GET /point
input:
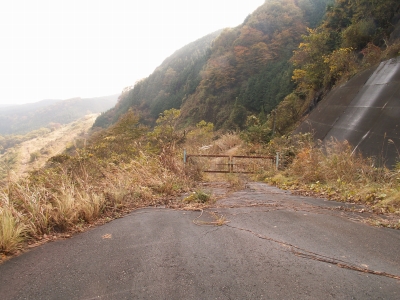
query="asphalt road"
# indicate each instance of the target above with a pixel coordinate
(273, 246)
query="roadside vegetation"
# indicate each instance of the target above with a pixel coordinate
(335, 172)
(254, 82)
(124, 167)
(129, 166)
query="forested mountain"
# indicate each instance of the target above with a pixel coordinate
(205, 78)
(275, 66)
(20, 119)
(354, 35)
(176, 78)
(249, 70)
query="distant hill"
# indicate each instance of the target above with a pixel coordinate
(36, 148)
(27, 107)
(20, 119)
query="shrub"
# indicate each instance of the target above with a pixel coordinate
(34, 156)
(198, 197)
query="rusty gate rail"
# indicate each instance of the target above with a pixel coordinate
(231, 163)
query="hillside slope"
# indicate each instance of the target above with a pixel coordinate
(177, 77)
(223, 76)
(276, 66)
(20, 119)
(34, 153)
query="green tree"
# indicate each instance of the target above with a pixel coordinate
(357, 35)
(165, 133)
(256, 132)
(237, 118)
(309, 60)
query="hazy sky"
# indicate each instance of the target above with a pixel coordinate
(59, 49)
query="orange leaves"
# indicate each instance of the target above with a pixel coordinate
(220, 71)
(249, 36)
(241, 54)
(372, 54)
(252, 58)
(261, 53)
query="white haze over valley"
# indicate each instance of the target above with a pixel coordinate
(54, 49)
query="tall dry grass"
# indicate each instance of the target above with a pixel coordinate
(335, 172)
(50, 202)
(119, 170)
(336, 162)
(11, 229)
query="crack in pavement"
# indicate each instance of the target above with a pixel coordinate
(303, 207)
(316, 256)
(271, 199)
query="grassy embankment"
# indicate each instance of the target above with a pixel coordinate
(334, 172)
(114, 171)
(129, 166)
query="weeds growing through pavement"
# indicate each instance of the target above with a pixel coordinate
(198, 196)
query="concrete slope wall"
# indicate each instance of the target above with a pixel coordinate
(365, 111)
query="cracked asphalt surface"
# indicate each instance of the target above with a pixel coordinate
(274, 245)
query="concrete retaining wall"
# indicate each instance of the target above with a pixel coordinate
(364, 111)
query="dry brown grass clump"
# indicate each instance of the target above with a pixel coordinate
(123, 168)
(335, 162)
(336, 172)
(11, 229)
(55, 201)
(228, 141)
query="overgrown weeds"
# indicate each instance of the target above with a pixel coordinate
(198, 196)
(120, 169)
(334, 171)
(11, 230)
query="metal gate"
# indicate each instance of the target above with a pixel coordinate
(215, 163)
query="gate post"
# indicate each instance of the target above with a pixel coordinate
(184, 156)
(277, 160)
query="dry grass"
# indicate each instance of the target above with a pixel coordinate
(115, 173)
(228, 141)
(199, 141)
(117, 170)
(336, 173)
(11, 230)
(49, 202)
(226, 144)
(34, 153)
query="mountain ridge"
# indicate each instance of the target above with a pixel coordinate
(20, 119)
(282, 60)
(213, 83)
